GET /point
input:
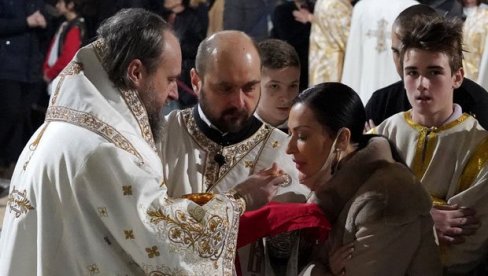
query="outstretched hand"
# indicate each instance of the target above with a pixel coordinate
(452, 223)
(258, 189)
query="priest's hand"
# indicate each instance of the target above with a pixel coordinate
(258, 189)
(452, 223)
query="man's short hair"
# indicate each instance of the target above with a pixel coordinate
(438, 35)
(131, 34)
(277, 54)
(412, 17)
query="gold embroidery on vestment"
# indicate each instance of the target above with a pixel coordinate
(93, 269)
(275, 144)
(207, 239)
(129, 234)
(92, 123)
(152, 252)
(102, 211)
(18, 203)
(233, 154)
(127, 190)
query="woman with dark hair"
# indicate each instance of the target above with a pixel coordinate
(379, 211)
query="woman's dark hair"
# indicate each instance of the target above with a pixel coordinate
(335, 106)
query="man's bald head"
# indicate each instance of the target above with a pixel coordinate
(412, 17)
(224, 44)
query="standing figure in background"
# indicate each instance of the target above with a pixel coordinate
(191, 28)
(446, 8)
(368, 63)
(331, 21)
(67, 40)
(252, 17)
(294, 31)
(21, 56)
(475, 32)
(483, 73)
(280, 76)
(215, 16)
(445, 148)
(393, 98)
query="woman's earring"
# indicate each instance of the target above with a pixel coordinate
(335, 163)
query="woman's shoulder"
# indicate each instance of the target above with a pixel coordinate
(391, 194)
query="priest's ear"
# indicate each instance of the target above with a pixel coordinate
(136, 74)
(196, 81)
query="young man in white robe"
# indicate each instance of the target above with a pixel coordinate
(219, 142)
(87, 195)
(446, 148)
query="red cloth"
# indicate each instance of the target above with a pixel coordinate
(275, 218)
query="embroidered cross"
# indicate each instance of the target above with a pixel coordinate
(129, 234)
(152, 252)
(102, 211)
(127, 190)
(18, 202)
(381, 35)
(93, 269)
(248, 164)
(275, 144)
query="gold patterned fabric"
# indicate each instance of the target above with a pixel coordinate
(88, 196)
(189, 166)
(328, 38)
(451, 162)
(475, 32)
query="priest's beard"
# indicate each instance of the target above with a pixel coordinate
(154, 113)
(230, 120)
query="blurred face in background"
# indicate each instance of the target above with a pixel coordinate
(279, 87)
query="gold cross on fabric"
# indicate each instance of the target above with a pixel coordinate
(275, 144)
(127, 190)
(381, 34)
(152, 252)
(129, 234)
(102, 211)
(93, 269)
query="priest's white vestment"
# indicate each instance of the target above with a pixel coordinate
(87, 196)
(189, 166)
